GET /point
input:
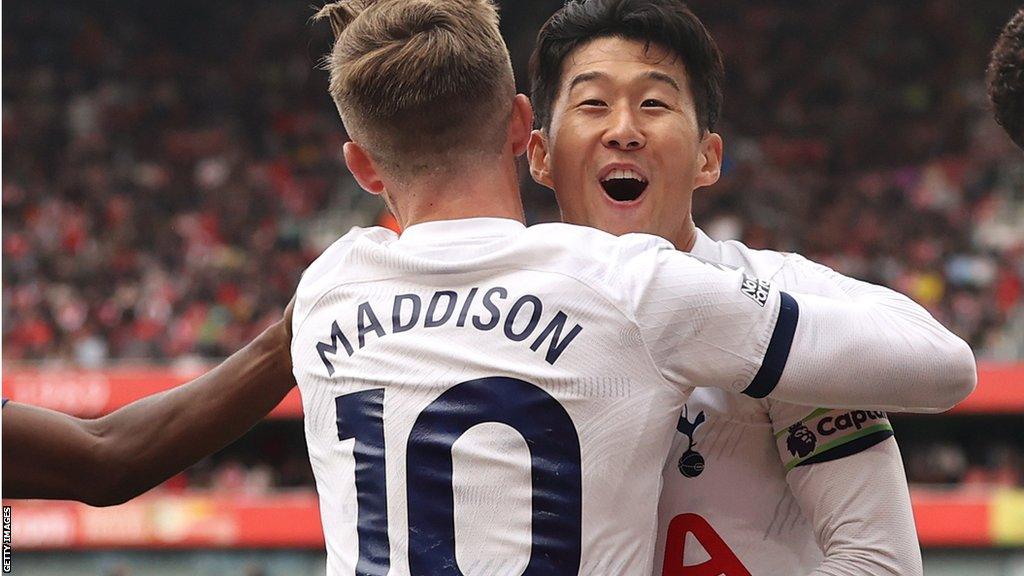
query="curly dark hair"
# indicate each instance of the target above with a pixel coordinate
(666, 23)
(1006, 78)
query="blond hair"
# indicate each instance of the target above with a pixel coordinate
(420, 83)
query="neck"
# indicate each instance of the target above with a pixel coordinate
(477, 192)
(687, 236)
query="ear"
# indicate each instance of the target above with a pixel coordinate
(521, 124)
(362, 167)
(538, 156)
(709, 167)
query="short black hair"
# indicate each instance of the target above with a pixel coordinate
(1006, 79)
(669, 24)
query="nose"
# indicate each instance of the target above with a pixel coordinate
(624, 133)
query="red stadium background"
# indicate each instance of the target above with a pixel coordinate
(169, 168)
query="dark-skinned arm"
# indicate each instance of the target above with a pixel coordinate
(109, 460)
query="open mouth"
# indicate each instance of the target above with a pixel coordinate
(624, 185)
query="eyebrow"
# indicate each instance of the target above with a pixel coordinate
(662, 77)
(585, 77)
(651, 75)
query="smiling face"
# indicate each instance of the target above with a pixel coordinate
(624, 151)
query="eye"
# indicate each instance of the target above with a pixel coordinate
(592, 102)
(653, 102)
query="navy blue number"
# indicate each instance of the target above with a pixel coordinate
(557, 516)
(555, 469)
(361, 416)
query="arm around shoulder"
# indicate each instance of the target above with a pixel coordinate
(914, 363)
(156, 437)
(112, 459)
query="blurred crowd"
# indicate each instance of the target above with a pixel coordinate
(270, 458)
(965, 451)
(169, 169)
(949, 464)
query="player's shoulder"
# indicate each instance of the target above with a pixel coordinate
(340, 261)
(341, 252)
(764, 264)
(620, 268)
(788, 270)
(593, 243)
(595, 255)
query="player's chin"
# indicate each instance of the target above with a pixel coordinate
(619, 220)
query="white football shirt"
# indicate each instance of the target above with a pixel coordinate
(726, 507)
(486, 398)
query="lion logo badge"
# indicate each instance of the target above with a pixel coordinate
(801, 440)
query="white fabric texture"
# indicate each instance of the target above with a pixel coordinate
(861, 513)
(887, 351)
(851, 515)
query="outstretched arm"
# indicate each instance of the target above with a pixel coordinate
(876, 347)
(109, 460)
(706, 325)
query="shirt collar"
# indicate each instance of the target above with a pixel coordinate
(441, 230)
(704, 246)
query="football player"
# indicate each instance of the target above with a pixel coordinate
(627, 95)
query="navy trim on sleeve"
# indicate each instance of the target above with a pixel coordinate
(778, 349)
(849, 449)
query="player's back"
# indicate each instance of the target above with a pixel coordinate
(478, 400)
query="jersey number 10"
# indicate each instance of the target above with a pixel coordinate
(555, 470)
